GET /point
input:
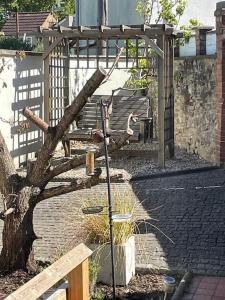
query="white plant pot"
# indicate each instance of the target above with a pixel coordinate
(124, 256)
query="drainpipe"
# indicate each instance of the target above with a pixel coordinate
(77, 7)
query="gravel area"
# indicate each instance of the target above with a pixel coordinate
(143, 166)
(131, 166)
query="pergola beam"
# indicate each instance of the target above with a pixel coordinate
(104, 33)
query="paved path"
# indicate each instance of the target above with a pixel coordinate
(192, 215)
(205, 288)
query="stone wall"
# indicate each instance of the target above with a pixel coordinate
(195, 109)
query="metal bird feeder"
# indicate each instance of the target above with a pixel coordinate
(118, 218)
(168, 285)
(92, 210)
(90, 161)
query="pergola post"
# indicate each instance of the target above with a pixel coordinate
(161, 104)
(171, 94)
(46, 81)
(66, 73)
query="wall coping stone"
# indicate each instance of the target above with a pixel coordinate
(210, 56)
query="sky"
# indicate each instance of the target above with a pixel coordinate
(203, 10)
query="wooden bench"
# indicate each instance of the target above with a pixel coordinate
(122, 106)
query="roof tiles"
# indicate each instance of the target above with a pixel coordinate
(28, 22)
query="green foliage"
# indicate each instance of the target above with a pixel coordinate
(39, 46)
(94, 269)
(193, 23)
(12, 43)
(67, 9)
(28, 5)
(139, 77)
(98, 295)
(169, 11)
(60, 8)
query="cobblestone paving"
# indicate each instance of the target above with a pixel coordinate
(192, 214)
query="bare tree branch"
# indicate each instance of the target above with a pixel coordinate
(78, 160)
(30, 115)
(78, 184)
(57, 133)
(114, 64)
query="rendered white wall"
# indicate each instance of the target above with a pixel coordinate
(24, 87)
(188, 49)
(78, 77)
(211, 43)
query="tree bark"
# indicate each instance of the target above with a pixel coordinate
(18, 235)
(8, 174)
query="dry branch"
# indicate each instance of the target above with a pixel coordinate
(114, 64)
(78, 184)
(46, 151)
(30, 115)
(79, 160)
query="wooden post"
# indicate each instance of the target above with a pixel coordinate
(171, 94)
(66, 65)
(161, 104)
(103, 20)
(74, 263)
(78, 281)
(46, 81)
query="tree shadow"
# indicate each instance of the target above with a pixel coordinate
(28, 84)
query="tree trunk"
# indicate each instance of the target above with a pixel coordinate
(18, 235)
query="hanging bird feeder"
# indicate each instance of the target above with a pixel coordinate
(90, 161)
(121, 218)
(91, 210)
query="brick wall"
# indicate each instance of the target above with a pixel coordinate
(220, 79)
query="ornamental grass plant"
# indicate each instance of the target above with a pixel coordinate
(97, 225)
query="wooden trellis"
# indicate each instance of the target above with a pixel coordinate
(101, 44)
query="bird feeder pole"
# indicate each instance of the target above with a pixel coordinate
(109, 198)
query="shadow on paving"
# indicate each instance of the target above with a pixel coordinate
(192, 213)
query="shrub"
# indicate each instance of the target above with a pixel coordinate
(12, 43)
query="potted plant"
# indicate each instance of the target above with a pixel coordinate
(98, 237)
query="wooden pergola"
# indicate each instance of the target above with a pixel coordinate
(58, 43)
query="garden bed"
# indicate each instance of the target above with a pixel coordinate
(143, 287)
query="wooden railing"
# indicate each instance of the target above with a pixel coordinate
(74, 265)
